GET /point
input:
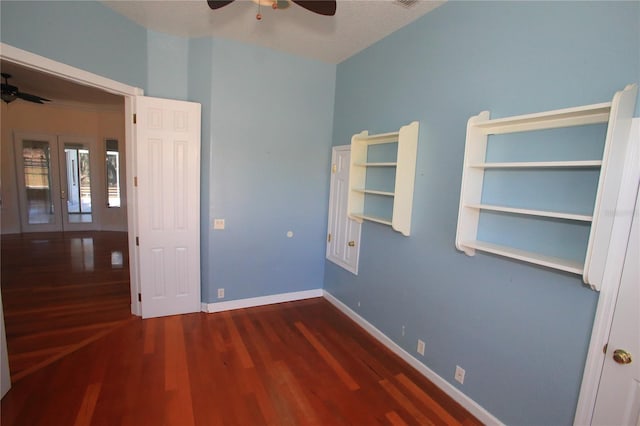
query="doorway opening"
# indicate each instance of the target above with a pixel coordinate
(70, 213)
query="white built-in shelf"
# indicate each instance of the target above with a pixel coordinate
(527, 256)
(589, 114)
(379, 138)
(374, 192)
(616, 114)
(370, 218)
(388, 164)
(530, 212)
(584, 164)
(406, 140)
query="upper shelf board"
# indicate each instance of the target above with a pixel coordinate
(587, 164)
(577, 116)
(379, 138)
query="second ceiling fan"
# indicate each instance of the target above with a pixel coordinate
(321, 7)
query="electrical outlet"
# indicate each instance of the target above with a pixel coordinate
(221, 293)
(218, 224)
(420, 347)
(403, 330)
(459, 376)
(358, 303)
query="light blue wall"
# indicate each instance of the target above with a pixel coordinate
(271, 121)
(520, 331)
(86, 35)
(167, 66)
(199, 90)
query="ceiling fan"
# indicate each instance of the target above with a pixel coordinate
(11, 93)
(321, 7)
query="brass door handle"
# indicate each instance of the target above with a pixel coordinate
(621, 356)
(351, 243)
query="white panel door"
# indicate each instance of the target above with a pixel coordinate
(618, 399)
(168, 215)
(343, 240)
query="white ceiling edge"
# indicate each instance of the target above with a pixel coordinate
(357, 24)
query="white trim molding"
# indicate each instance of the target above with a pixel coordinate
(469, 404)
(261, 301)
(65, 72)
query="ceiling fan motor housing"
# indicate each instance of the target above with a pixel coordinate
(11, 93)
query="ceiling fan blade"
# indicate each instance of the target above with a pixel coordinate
(322, 7)
(217, 4)
(31, 98)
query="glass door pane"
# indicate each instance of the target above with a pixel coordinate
(113, 173)
(78, 176)
(36, 160)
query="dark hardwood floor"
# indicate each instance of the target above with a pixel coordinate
(298, 363)
(61, 291)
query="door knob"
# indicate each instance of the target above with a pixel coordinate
(621, 356)
(351, 243)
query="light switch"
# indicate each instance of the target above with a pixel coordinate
(218, 223)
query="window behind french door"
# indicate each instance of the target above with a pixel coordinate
(55, 184)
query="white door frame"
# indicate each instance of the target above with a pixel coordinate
(76, 75)
(603, 320)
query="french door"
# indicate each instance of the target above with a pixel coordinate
(55, 185)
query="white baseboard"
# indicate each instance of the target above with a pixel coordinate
(473, 407)
(260, 301)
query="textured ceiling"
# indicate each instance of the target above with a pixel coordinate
(356, 25)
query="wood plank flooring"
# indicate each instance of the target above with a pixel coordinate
(61, 291)
(81, 359)
(297, 363)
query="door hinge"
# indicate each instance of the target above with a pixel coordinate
(334, 168)
(135, 118)
(135, 181)
(329, 238)
(604, 348)
(139, 297)
(137, 241)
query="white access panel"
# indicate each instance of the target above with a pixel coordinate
(343, 238)
(168, 194)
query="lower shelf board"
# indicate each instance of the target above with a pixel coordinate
(526, 256)
(361, 217)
